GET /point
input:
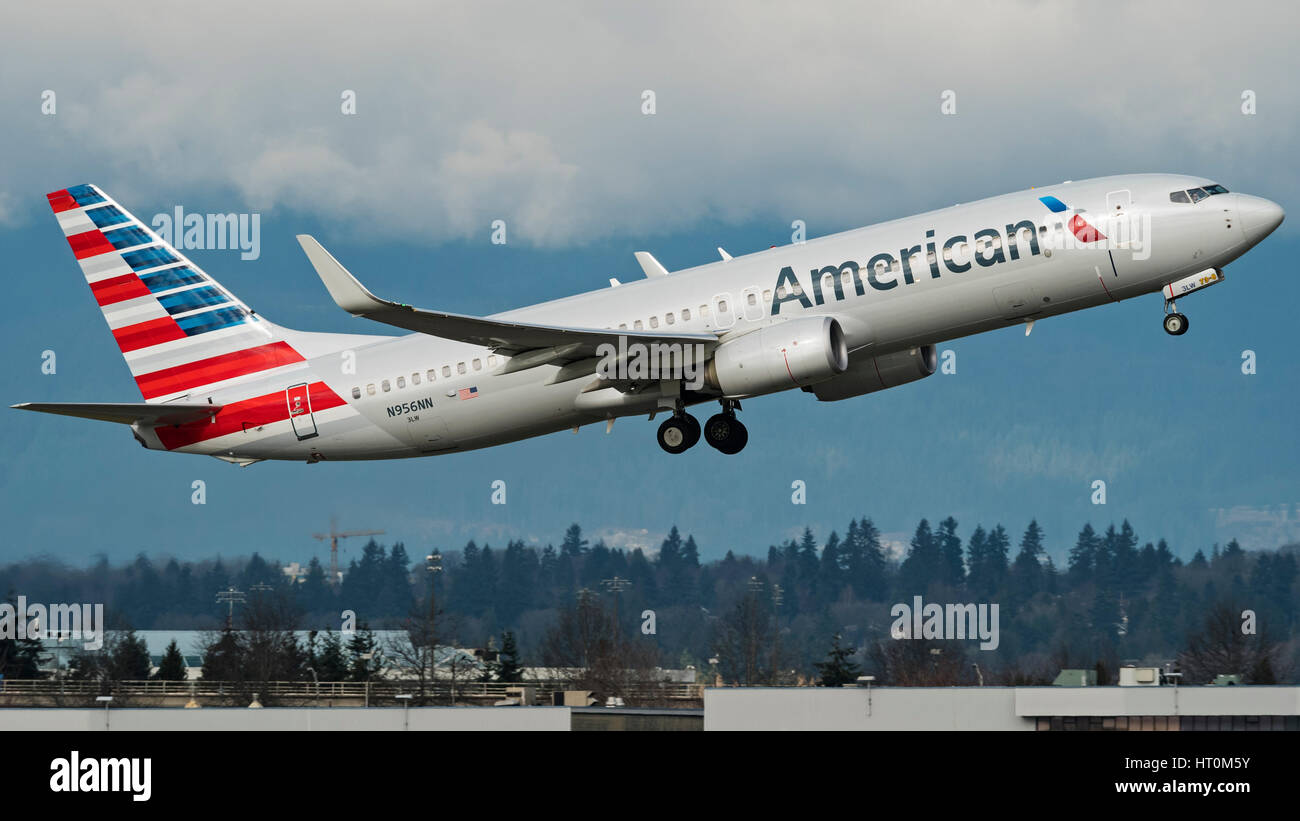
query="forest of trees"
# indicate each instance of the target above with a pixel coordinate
(805, 611)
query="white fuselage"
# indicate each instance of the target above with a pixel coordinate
(969, 289)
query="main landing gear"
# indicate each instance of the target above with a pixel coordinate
(1175, 323)
(679, 432)
(724, 432)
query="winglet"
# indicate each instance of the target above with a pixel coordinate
(725, 255)
(650, 265)
(349, 294)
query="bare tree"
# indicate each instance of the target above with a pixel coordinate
(1224, 648)
(587, 642)
(921, 663)
(745, 642)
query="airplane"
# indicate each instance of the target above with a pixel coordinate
(839, 316)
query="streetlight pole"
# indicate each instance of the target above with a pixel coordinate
(433, 564)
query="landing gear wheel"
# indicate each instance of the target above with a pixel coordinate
(725, 433)
(677, 434)
(694, 429)
(1176, 324)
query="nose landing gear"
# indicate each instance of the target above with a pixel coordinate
(1175, 323)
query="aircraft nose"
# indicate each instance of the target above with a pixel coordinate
(1259, 217)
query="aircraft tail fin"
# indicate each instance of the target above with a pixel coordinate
(179, 330)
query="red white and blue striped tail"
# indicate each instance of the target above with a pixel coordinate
(179, 330)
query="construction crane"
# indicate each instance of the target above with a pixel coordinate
(334, 535)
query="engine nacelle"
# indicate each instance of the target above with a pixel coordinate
(790, 354)
(867, 374)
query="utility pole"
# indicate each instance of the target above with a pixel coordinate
(616, 586)
(778, 599)
(230, 597)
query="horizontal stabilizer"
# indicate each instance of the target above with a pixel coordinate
(503, 336)
(127, 413)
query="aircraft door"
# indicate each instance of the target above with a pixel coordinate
(723, 316)
(298, 398)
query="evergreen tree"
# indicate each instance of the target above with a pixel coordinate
(330, 663)
(809, 559)
(691, 553)
(923, 564)
(998, 552)
(865, 560)
(979, 574)
(670, 551)
(839, 668)
(1083, 556)
(172, 666)
(574, 545)
(223, 659)
(130, 658)
(363, 659)
(509, 667)
(952, 571)
(1028, 568)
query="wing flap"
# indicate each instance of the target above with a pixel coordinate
(127, 413)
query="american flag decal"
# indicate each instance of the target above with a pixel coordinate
(468, 393)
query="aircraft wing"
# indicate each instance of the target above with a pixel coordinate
(552, 343)
(127, 413)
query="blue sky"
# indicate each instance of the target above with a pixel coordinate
(448, 137)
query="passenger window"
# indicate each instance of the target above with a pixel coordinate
(668, 317)
(704, 311)
(1179, 196)
(415, 378)
(401, 382)
(446, 372)
(460, 367)
(780, 292)
(686, 314)
(722, 305)
(492, 361)
(386, 386)
(432, 374)
(654, 322)
(622, 326)
(752, 299)
(767, 295)
(1197, 194)
(370, 389)
(478, 364)
(356, 393)
(637, 326)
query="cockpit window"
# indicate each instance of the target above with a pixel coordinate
(1197, 194)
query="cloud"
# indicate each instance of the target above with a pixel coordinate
(533, 114)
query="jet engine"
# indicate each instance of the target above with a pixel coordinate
(796, 353)
(867, 374)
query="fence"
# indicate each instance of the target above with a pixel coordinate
(379, 691)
